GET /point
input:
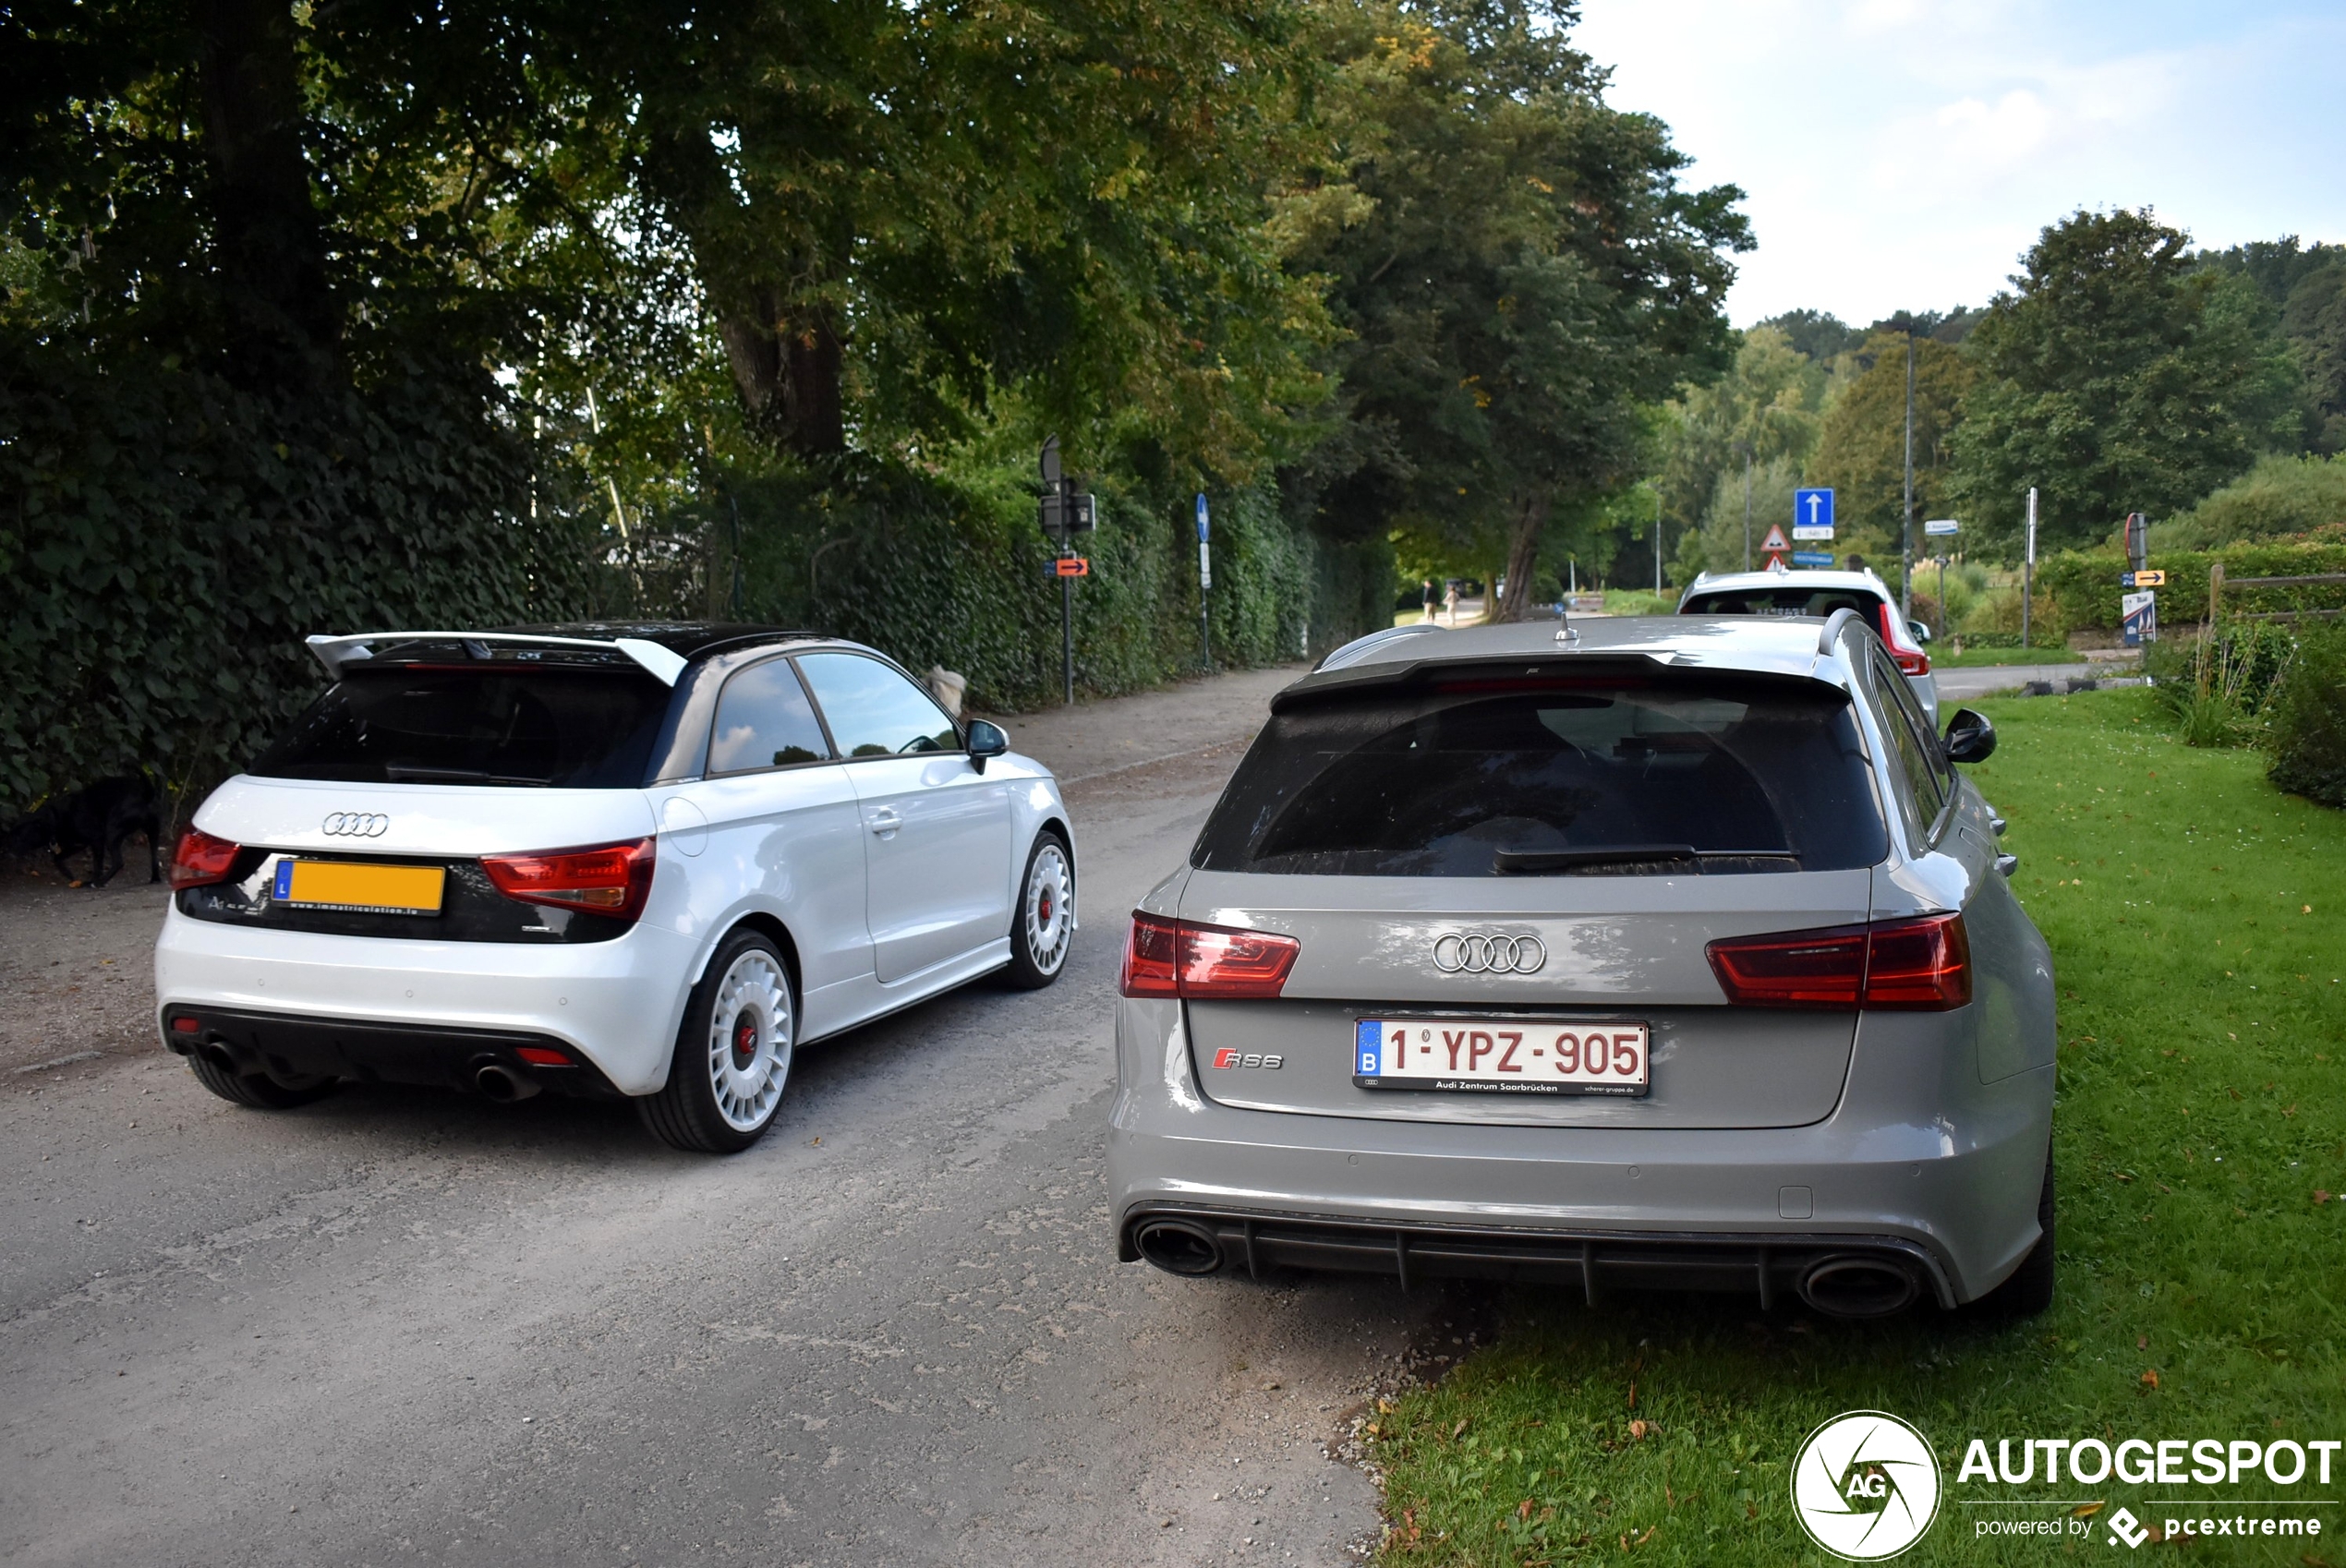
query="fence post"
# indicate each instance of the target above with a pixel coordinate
(2215, 592)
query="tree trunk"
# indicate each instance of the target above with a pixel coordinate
(788, 368)
(268, 247)
(1523, 558)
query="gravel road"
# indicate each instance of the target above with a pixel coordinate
(404, 1326)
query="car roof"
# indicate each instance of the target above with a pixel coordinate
(690, 639)
(1771, 644)
(1812, 577)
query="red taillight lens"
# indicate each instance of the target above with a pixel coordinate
(1919, 965)
(1901, 643)
(202, 860)
(1177, 957)
(612, 880)
(1899, 966)
(542, 1056)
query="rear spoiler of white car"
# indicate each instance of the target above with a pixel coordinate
(664, 663)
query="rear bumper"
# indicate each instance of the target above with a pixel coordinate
(1918, 1157)
(614, 1005)
(290, 1046)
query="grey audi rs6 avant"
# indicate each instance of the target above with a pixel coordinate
(1643, 953)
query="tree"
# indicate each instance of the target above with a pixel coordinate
(1521, 274)
(1818, 334)
(2118, 378)
(1766, 407)
(1861, 453)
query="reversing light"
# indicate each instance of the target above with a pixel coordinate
(202, 860)
(611, 879)
(1179, 957)
(1921, 965)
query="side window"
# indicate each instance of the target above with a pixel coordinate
(764, 720)
(874, 711)
(1911, 738)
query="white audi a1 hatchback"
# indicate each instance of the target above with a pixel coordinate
(647, 860)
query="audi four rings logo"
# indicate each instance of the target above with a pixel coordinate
(355, 824)
(1478, 953)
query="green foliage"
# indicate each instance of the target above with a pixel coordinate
(1719, 545)
(2279, 496)
(1767, 406)
(2215, 686)
(2305, 286)
(2307, 720)
(1817, 334)
(2201, 1044)
(1520, 272)
(2084, 584)
(2120, 377)
(169, 539)
(1861, 452)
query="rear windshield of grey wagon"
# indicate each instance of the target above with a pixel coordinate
(1609, 777)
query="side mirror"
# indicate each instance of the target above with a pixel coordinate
(1970, 738)
(984, 741)
(1922, 633)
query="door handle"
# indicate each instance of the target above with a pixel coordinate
(885, 821)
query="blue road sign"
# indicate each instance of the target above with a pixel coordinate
(1201, 517)
(1813, 509)
(1812, 558)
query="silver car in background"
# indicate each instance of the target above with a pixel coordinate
(1664, 952)
(1820, 593)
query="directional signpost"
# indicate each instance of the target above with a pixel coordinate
(1064, 513)
(1811, 557)
(1812, 514)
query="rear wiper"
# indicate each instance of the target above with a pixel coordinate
(402, 772)
(1536, 862)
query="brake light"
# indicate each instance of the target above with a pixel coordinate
(614, 879)
(1921, 965)
(202, 860)
(1179, 957)
(1901, 642)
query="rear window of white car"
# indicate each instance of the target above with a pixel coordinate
(1540, 778)
(1786, 601)
(547, 727)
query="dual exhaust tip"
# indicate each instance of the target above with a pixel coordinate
(1847, 1285)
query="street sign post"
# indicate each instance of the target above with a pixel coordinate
(1064, 513)
(1811, 557)
(1941, 527)
(1204, 583)
(2138, 618)
(2142, 579)
(1812, 514)
(1775, 545)
(2028, 568)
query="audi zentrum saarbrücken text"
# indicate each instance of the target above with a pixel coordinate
(1664, 952)
(649, 860)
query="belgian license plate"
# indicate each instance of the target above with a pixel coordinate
(359, 889)
(1502, 1055)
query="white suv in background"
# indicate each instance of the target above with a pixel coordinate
(646, 860)
(1819, 593)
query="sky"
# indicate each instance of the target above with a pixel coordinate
(1904, 153)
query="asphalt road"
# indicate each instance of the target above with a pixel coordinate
(405, 1326)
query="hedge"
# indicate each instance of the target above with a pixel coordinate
(2084, 584)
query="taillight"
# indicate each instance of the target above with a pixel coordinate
(1901, 643)
(612, 880)
(202, 860)
(1179, 957)
(1921, 965)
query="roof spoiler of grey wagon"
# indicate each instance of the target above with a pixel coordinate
(1834, 624)
(665, 664)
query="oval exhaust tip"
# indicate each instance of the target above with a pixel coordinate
(1178, 1247)
(1858, 1287)
(501, 1086)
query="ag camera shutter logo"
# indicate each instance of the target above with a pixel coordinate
(1865, 1486)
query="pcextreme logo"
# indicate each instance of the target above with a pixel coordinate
(1865, 1486)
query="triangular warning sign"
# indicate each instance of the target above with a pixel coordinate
(1775, 540)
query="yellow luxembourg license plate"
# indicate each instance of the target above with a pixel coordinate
(359, 889)
(1503, 1055)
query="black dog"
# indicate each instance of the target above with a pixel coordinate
(100, 819)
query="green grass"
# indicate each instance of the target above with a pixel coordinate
(2202, 1072)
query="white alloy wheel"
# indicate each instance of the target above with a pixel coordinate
(1046, 909)
(750, 1033)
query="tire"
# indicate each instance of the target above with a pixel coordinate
(1043, 921)
(734, 1052)
(2030, 1290)
(257, 1091)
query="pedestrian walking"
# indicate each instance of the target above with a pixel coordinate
(1432, 600)
(1450, 602)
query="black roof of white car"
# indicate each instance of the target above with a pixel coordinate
(688, 639)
